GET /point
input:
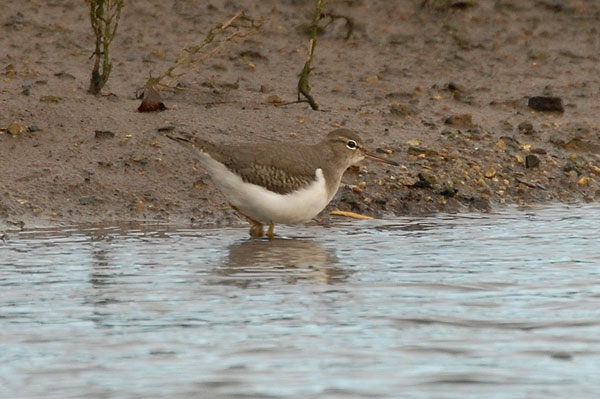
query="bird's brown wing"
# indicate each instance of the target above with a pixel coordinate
(263, 166)
(260, 164)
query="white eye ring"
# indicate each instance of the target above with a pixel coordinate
(351, 144)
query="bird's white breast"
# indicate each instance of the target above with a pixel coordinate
(266, 206)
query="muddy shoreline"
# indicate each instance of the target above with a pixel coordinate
(445, 90)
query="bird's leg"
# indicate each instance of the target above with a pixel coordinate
(270, 232)
(256, 228)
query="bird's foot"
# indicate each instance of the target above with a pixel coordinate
(271, 232)
(256, 229)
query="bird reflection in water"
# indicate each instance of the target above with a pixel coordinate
(282, 259)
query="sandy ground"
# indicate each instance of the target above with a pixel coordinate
(442, 85)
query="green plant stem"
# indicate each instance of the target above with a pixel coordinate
(303, 82)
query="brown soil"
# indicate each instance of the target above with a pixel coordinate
(441, 84)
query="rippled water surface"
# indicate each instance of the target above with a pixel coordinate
(503, 305)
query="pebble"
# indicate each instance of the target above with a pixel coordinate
(490, 172)
(531, 161)
(166, 128)
(34, 128)
(510, 142)
(15, 129)
(462, 120)
(426, 180)
(452, 86)
(546, 104)
(448, 190)
(403, 110)
(380, 150)
(526, 127)
(183, 84)
(274, 99)
(571, 166)
(64, 75)
(50, 99)
(595, 169)
(88, 200)
(412, 150)
(104, 134)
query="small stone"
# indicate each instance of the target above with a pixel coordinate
(10, 70)
(595, 169)
(140, 159)
(452, 86)
(50, 99)
(525, 127)
(138, 206)
(421, 151)
(546, 104)
(274, 99)
(448, 190)
(88, 200)
(510, 142)
(168, 128)
(584, 181)
(462, 120)
(387, 151)
(426, 180)
(403, 110)
(34, 128)
(104, 134)
(125, 139)
(490, 172)
(531, 161)
(16, 21)
(15, 129)
(357, 190)
(571, 166)
(198, 184)
(64, 75)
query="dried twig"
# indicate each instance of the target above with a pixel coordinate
(333, 17)
(192, 57)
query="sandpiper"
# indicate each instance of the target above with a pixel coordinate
(285, 182)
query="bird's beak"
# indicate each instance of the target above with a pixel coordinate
(377, 158)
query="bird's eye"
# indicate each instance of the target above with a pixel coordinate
(351, 144)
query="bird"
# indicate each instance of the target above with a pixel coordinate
(279, 182)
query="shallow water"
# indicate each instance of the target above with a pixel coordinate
(503, 305)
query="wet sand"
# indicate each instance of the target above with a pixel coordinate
(443, 87)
